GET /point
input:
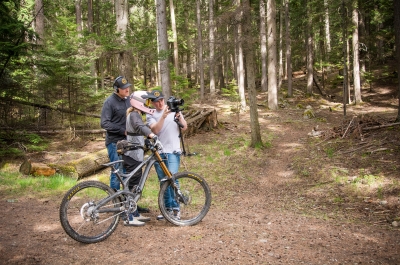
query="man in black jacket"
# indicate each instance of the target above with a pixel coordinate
(113, 120)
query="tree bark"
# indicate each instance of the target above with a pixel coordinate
(310, 50)
(272, 56)
(211, 45)
(240, 62)
(327, 28)
(78, 17)
(163, 50)
(288, 50)
(263, 46)
(39, 21)
(251, 80)
(200, 49)
(189, 46)
(124, 56)
(280, 57)
(356, 60)
(397, 37)
(175, 36)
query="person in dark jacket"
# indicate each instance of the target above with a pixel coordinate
(113, 120)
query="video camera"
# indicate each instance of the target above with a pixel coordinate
(174, 104)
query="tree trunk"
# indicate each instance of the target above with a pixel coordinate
(78, 17)
(345, 73)
(327, 29)
(124, 56)
(200, 49)
(39, 21)
(211, 45)
(251, 80)
(272, 56)
(280, 63)
(397, 37)
(310, 51)
(263, 46)
(356, 62)
(240, 65)
(188, 38)
(288, 50)
(163, 50)
(174, 35)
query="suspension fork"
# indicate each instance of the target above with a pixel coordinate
(163, 166)
(166, 171)
(170, 178)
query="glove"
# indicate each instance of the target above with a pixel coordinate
(157, 143)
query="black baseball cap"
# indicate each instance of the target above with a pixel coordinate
(121, 82)
(154, 95)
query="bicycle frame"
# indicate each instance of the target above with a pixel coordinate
(147, 164)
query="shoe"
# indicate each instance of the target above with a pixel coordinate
(142, 209)
(176, 214)
(133, 221)
(142, 218)
(160, 217)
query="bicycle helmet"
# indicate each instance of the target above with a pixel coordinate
(139, 103)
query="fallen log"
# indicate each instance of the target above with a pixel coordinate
(78, 168)
(380, 126)
(36, 169)
(84, 166)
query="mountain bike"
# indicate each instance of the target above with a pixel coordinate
(90, 211)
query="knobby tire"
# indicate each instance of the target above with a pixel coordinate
(78, 221)
(198, 194)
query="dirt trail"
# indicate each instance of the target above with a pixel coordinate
(258, 222)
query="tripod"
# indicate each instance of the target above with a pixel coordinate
(180, 125)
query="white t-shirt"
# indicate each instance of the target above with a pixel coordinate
(169, 133)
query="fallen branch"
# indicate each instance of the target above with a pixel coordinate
(348, 127)
(377, 150)
(44, 106)
(381, 126)
(356, 149)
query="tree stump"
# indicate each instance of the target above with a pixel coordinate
(200, 119)
(36, 169)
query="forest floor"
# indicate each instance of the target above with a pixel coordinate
(331, 198)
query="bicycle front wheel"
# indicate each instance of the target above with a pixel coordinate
(194, 200)
(79, 218)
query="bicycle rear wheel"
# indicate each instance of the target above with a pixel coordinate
(195, 199)
(78, 217)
